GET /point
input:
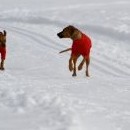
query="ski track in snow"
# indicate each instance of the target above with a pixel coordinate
(58, 105)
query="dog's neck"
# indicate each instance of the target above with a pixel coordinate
(76, 35)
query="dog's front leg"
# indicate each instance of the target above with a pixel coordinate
(70, 63)
(74, 61)
(2, 65)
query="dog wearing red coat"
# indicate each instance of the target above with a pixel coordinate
(81, 46)
(2, 48)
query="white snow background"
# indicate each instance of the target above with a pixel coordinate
(37, 91)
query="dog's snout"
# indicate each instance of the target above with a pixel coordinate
(60, 35)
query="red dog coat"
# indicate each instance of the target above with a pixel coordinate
(82, 46)
(3, 52)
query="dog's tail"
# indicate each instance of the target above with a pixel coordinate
(69, 49)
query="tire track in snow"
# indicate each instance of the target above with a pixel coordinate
(103, 66)
(127, 66)
(34, 37)
(96, 29)
(100, 62)
(107, 32)
(99, 30)
(113, 68)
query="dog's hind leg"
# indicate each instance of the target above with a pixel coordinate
(87, 65)
(81, 64)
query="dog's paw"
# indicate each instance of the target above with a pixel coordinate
(74, 74)
(80, 67)
(70, 68)
(2, 68)
(87, 74)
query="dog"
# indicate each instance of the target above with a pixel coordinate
(2, 48)
(81, 46)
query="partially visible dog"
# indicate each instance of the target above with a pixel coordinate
(2, 48)
(81, 46)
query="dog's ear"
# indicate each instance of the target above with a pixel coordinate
(72, 29)
(4, 32)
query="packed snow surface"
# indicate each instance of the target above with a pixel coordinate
(37, 91)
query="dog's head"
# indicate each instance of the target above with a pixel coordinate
(3, 36)
(67, 32)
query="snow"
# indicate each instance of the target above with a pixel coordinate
(37, 91)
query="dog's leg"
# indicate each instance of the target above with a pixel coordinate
(87, 64)
(81, 64)
(74, 61)
(2, 65)
(70, 63)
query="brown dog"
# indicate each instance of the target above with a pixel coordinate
(2, 48)
(81, 46)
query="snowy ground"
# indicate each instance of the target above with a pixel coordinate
(37, 91)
